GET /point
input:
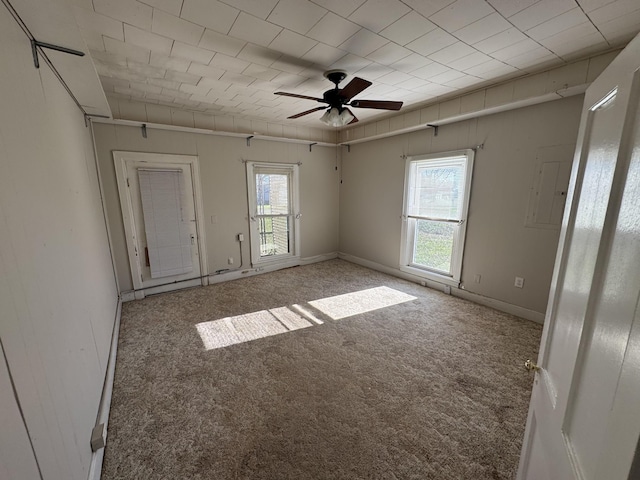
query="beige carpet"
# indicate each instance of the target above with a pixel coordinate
(327, 371)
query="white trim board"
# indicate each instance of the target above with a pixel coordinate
(227, 276)
(95, 469)
(456, 292)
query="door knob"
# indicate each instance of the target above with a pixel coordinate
(531, 366)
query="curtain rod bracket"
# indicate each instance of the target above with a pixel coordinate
(34, 50)
(312, 144)
(435, 129)
(249, 140)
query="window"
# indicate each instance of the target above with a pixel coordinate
(435, 212)
(274, 212)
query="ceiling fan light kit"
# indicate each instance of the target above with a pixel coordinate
(334, 118)
(337, 114)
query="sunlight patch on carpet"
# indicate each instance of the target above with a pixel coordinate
(251, 326)
(355, 303)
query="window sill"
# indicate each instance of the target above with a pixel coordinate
(435, 277)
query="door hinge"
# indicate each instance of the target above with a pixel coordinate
(128, 185)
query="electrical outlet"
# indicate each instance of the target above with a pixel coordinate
(519, 283)
(476, 278)
(241, 237)
(230, 260)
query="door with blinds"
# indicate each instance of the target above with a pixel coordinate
(158, 196)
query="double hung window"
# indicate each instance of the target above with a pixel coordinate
(436, 200)
(274, 212)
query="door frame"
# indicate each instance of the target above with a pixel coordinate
(120, 159)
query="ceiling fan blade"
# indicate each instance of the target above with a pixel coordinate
(295, 95)
(353, 88)
(355, 119)
(307, 112)
(379, 104)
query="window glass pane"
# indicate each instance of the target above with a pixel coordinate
(274, 235)
(438, 189)
(433, 244)
(272, 194)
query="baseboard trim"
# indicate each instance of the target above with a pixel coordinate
(95, 469)
(251, 271)
(457, 292)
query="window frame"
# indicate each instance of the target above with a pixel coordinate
(407, 243)
(292, 170)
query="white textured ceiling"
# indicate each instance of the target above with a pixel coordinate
(228, 57)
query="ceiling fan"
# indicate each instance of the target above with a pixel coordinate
(339, 99)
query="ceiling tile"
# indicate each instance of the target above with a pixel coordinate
(214, 85)
(373, 71)
(516, 49)
(412, 83)
(324, 54)
(566, 20)
(389, 53)
(333, 30)
(134, 52)
(237, 78)
(344, 8)
(93, 39)
(288, 80)
(613, 10)
(567, 40)
(483, 28)
(210, 13)
(252, 29)
(363, 43)
(205, 71)
(221, 43)
(394, 78)
(169, 63)
(351, 63)
(194, 89)
(189, 52)
(291, 43)
(257, 8)
(621, 29)
(170, 6)
(182, 77)
(176, 28)
(290, 64)
(378, 14)
(95, 22)
(148, 71)
(407, 28)
(589, 5)
(411, 63)
(260, 71)
(260, 55)
(540, 12)
(430, 71)
(500, 41)
(460, 14)
(131, 12)
(297, 15)
(508, 8)
(485, 67)
(452, 52)
(225, 62)
(476, 58)
(463, 82)
(108, 58)
(145, 39)
(432, 42)
(429, 7)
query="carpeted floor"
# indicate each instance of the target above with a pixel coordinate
(421, 386)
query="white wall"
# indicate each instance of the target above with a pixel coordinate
(58, 296)
(498, 245)
(224, 186)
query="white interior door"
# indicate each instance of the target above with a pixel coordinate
(584, 417)
(159, 208)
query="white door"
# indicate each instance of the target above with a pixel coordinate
(584, 416)
(158, 194)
